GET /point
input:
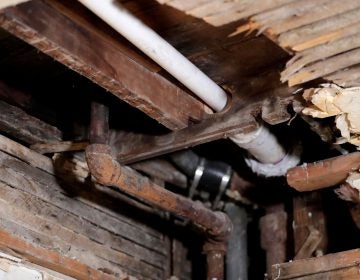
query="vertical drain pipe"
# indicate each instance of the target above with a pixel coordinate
(107, 171)
(270, 158)
(237, 256)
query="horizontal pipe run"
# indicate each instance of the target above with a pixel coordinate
(109, 172)
(323, 174)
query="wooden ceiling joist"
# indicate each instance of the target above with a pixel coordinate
(83, 47)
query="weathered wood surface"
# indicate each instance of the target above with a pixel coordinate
(87, 223)
(343, 265)
(46, 147)
(86, 50)
(237, 119)
(52, 259)
(323, 35)
(309, 226)
(19, 124)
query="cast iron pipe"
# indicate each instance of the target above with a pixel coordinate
(323, 174)
(107, 171)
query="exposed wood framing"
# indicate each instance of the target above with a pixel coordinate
(59, 146)
(323, 35)
(35, 201)
(237, 119)
(83, 47)
(17, 123)
(51, 259)
(310, 238)
(342, 265)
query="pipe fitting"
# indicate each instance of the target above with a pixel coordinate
(101, 164)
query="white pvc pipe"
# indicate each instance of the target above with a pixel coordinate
(159, 50)
(260, 143)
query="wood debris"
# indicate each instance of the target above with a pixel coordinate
(331, 100)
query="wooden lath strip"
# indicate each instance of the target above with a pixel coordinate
(319, 12)
(325, 67)
(297, 8)
(348, 77)
(316, 29)
(320, 52)
(328, 37)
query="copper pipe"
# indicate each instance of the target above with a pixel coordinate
(322, 174)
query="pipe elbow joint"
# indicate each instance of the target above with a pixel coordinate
(221, 232)
(101, 164)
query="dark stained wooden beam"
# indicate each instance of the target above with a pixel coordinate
(239, 118)
(131, 148)
(77, 42)
(17, 123)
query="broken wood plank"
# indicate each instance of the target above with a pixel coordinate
(59, 147)
(335, 266)
(20, 125)
(103, 62)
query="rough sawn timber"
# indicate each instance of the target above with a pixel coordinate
(81, 47)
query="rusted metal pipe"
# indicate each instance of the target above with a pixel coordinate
(99, 124)
(322, 174)
(108, 171)
(216, 225)
(273, 230)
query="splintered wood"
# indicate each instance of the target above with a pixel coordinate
(322, 34)
(332, 100)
